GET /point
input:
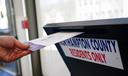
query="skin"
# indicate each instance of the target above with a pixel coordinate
(12, 49)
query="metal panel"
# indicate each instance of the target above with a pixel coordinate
(33, 33)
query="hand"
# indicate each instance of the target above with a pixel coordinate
(12, 49)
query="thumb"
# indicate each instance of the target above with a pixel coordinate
(20, 45)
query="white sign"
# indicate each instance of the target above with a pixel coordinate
(39, 43)
(100, 51)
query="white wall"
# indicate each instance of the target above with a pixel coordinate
(26, 66)
(3, 12)
(52, 63)
(54, 11)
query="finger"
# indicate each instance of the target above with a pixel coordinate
(17, 55)
(6, 41)
(22, 53)
(21, 45)
(11, 56)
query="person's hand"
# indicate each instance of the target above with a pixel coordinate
(12, 49)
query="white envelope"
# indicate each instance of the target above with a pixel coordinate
(39, 43)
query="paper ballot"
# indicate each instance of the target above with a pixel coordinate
(39, 43)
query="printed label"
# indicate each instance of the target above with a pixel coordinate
(100, 51)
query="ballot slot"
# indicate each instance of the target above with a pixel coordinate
(103, 45)
(98, 30)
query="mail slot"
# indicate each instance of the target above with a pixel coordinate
(101, 50)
